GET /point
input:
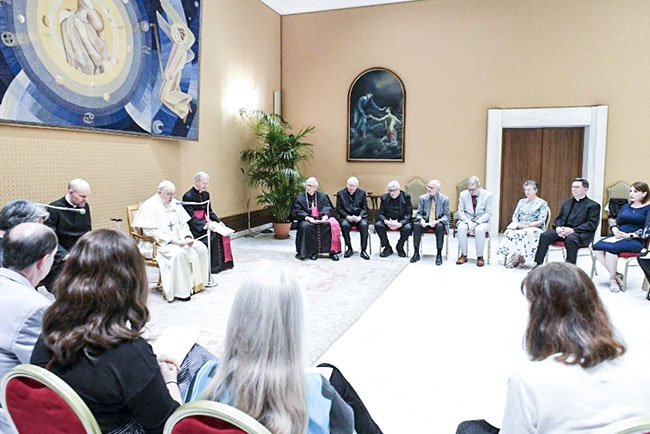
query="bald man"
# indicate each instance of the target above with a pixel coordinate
(29, 250)
(69, 226)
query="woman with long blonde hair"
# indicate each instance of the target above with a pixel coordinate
(262, 370)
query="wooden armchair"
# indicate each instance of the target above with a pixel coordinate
(138, 235)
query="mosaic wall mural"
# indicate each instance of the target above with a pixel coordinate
(122, 66)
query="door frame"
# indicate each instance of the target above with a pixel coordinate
(592, 118)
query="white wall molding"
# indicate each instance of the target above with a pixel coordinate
(592, 118)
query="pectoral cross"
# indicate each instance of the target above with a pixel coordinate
(171, 226)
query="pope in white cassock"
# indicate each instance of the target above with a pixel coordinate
(183, 263)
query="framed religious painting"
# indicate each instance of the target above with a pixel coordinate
(119, 66)
(376, 102)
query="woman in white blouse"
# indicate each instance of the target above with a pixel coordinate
(580, 376)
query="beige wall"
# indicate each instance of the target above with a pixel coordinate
(240, 49)
(457, 59)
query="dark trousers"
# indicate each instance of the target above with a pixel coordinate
(363, 422)
(363, 230)
(439, 230)
(571, 244)
(644, 263)
(404, 233)
(476, 427)
(57, 267)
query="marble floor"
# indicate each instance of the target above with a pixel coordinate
(437, 347)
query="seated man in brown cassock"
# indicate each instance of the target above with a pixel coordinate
(318, 232)
(203, 218)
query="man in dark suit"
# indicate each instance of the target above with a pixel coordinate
(433, 212)
(352, 208)
(395, 213)
(575, 224)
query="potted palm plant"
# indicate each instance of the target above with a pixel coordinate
(273, 166)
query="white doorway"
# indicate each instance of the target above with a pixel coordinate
(593, 119)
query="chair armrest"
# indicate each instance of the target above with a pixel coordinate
(152, 240)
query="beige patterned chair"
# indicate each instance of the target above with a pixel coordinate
(416, 188)
(620, 190)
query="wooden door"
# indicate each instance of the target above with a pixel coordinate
(561, 164)
(550, 156)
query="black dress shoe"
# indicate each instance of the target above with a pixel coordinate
(348, 252)
(334, 256)
(387, 251)
(401, 253)
(314, 256)
(439, 259)
(415, 258)
(299, 257)
(364, 255)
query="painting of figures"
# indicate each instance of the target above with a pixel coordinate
(376, 117)
(120, 66)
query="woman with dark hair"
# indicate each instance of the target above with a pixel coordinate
(92, 337)
(578, 369)
(631, 222)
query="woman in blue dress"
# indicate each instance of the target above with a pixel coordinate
(631, 221)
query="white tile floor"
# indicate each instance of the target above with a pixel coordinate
(438, 346)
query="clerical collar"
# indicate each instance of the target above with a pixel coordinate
(578, 200)
(72, 205)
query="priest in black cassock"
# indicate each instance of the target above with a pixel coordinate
(575, 225)
(352, 209)
(200, 218)
(69, 222)
(318, 232)
(69, 226)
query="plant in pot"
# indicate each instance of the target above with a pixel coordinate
(273, 166)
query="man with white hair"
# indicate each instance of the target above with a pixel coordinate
(474, 214)
(69, 226)
(183, 263)
(433, 212)
(318, 232)
(352, 208)
(202, 219)
(395, 214)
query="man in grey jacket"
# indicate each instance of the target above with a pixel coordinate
(28, 251)
(474, 214)
(433, 213)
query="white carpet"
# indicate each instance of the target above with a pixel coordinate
(336, 293)
(439, 345)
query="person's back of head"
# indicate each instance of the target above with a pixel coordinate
(29, 248)
(101, 297)
(566, 317)
(262, 370)
(21, 211)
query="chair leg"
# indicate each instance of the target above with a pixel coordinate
(489, 245)
(627, 264)
(594, 271)
(447, 248)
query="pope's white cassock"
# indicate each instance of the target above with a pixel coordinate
(183, 270)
